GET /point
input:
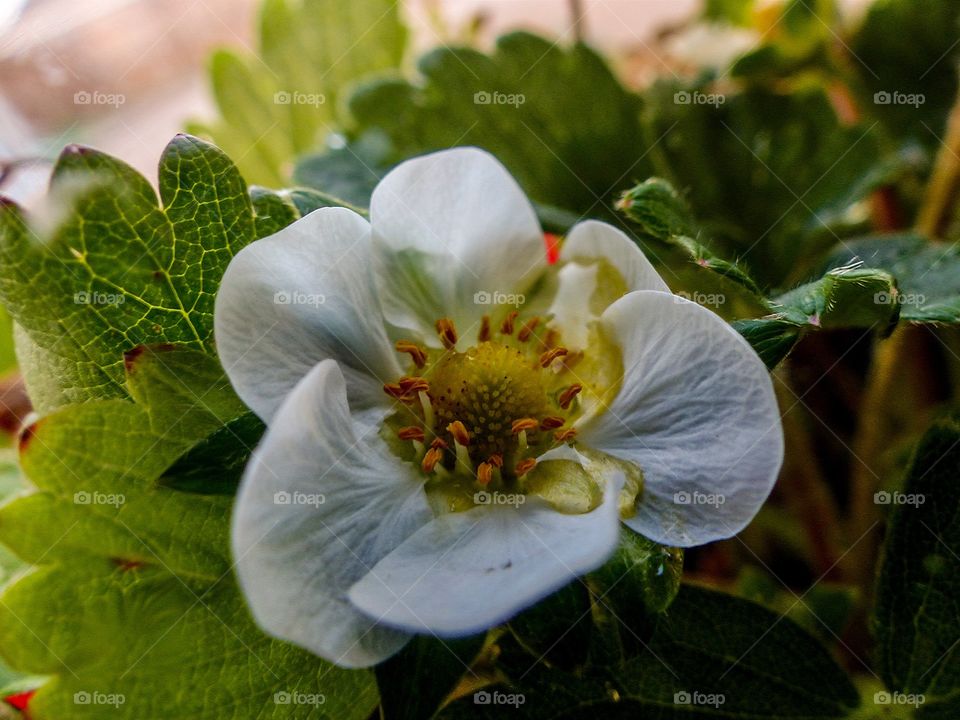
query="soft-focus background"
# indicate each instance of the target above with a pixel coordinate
(124, 75)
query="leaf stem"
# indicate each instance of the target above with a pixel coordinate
(940, 199)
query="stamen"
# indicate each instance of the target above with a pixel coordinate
(525, 466)
(416, 353)
(527, 330)
(411, 432)
(496, 460)
(427, 407)
(439, 444)
(506, 327)
(430, 460)
(550, 340)
(394, 390)
(547, 358)
(447, 333)
(484, 473)
(551, 422)
(522, 424)
(411, 385)
(567, 396)
(459, 432)
(484, 334)
(562, 436)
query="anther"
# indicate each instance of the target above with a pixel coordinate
(550, 339)
(527, 330)
(525, 466)
(484, 334)
(411, 432)
(523, 424)
(447, 332)
(393, 390)
(417, 353)
(547, 358)
(567, 396)
(506, 327)
(430, 460)
(459, 432)
(551, 422)
(413, 385)
(439, 444)
(496, 460)
(484, 473)
(566, 435)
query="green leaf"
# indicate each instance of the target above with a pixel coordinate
(898, 50)
(556, 117)
(640, 570)
(796, 38)
(216, 464)
(660, 212)
(106, 269)
(284, 100)
(927, 273)
(414, 683)
(916, 621)
(773, 179)
(847, 295)
(134, 597)
(729, 657)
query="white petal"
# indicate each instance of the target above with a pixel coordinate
(296, 560)
(468, 571)
(585, 287)
(571, 311)
(696, 412)
(298, 297)
(593, 240)
(448, 227)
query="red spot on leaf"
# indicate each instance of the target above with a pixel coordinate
(20, 700)
(553, 247)
(130, 356)
(128, 564)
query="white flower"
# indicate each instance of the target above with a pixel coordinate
(436, 461)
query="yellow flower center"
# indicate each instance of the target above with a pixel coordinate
(479, 418)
